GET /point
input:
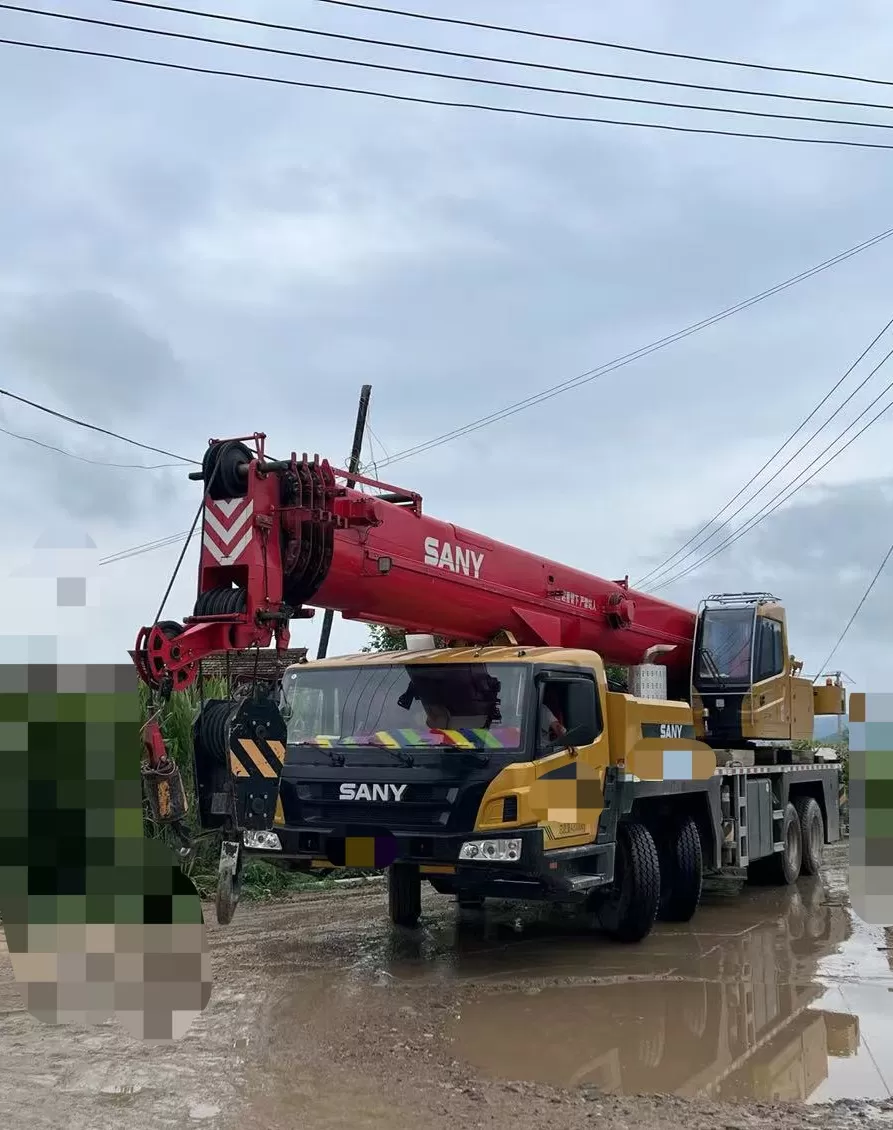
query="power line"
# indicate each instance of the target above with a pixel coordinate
(92, 427)
(516, 111)
(146, 547)
(421, 72)
(268, 25)
(556, 38)
(84, 459)
(592, 374)
(628, 358)
(756, 520)
(663, 567)
(858, 609)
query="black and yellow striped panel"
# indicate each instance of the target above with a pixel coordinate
(255, 757)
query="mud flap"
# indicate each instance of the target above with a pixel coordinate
(256, 753)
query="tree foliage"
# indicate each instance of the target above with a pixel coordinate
(383, 638)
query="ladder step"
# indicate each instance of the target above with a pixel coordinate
(778, 814)
(585, 882)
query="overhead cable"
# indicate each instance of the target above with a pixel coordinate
(627, 358)
(757, 519)
(665, 566)
(610, 45)
(420, 72)
(530, 64)
(874, 580)
(92, 427)
(512, 111)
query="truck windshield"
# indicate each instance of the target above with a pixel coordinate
(408, 706)
(724, 645)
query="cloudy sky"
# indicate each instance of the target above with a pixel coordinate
(186, 256)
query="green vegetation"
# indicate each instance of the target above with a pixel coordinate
(841, 744)
(261, 880)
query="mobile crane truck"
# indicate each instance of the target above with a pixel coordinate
(506, 764)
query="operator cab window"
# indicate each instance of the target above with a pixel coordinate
(769, 657)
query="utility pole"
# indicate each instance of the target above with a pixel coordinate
(353, 467)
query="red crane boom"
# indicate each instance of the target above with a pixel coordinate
(282, 537)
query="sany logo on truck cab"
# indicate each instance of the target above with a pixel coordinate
(445, 555)
(371, 792)
(668, 730)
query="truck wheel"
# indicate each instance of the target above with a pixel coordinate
(681, 873)
(782, 867)
(629, 912)
(812, 833)
(404, 894)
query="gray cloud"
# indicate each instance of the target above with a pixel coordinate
(818, 555)
(85, 347)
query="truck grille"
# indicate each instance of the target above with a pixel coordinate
(424, 807)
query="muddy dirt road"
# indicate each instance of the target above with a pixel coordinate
(324, 1016)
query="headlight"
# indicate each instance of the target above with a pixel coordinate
(491, 851)
(262, 841)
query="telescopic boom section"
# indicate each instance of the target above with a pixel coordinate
(282, 537)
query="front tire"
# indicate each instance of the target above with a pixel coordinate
(681, 873)
(629, 912)
(404, 894)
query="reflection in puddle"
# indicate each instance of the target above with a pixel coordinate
(777, 995)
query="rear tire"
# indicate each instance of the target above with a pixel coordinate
(782, 868)
(404, 894)
(812, 833)
(629, 912)
(681, 873)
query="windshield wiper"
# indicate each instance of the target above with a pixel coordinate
(713, 666)
(333, 756)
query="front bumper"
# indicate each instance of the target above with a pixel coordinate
(536, 873)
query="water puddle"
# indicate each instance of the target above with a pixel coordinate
(771, 995)
(766, 995)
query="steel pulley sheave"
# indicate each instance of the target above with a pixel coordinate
(223, 469)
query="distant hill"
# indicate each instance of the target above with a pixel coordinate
(826, 726)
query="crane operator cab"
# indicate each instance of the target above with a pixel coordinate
(744, 681)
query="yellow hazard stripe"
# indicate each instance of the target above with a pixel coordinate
(238, 769)
(385, 738)
(459, 739)
(261, 764)
(279, 815)
(278, 751)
